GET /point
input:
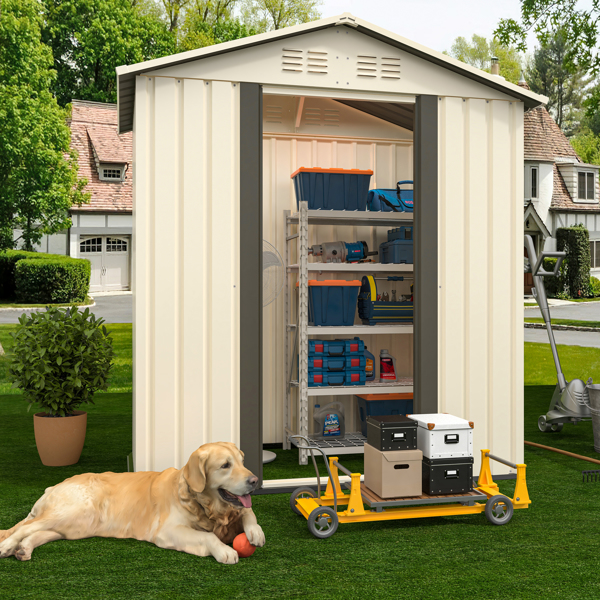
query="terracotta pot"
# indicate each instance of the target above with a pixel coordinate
(60, 440)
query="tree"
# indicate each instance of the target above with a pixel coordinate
(479, 51)
(89, 38)
(547, 74)
(38, 178)
(267, 15)
(587, 145)
(197, 33)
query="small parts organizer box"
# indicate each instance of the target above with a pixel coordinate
(373, 311)
(336, 362)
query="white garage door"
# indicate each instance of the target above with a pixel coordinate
(109, 256)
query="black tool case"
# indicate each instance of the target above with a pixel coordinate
(447, 475)
(392, 432)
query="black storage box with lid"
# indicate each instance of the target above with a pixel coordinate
(447, 475)
(392, 432)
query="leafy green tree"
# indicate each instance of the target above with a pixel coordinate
(38, 178)
(267, 15)
(89, 38)
(547, 74)
(587, 145)
(197, 33)
(479, 51)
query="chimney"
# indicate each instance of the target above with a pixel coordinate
(522, 83)
(495, 69)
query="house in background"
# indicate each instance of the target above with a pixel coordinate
(560, 189)
(101, 230)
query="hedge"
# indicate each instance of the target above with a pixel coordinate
(8, 261)
(575, 241)
(53, 281)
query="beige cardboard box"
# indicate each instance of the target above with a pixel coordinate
(393, 473)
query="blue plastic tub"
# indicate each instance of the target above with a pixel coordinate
(332, 189)
(335, 378)
(335, 363)
(322, 348)
(388, 404)
(332, 302)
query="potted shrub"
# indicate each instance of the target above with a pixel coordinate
(61, 357)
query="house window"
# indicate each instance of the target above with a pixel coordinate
(595, 254)
(114, 173)
(534, 182)
(116, 245)
(91, 245)
(585, 186)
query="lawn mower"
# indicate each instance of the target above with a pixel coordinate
(570, 400)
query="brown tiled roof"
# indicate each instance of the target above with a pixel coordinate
(543, 138)
(560, 194)
(101, 120)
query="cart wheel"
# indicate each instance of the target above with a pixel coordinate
(542, 425)
(301, 492)
(499, 510)
(323, 522)
(556, 427)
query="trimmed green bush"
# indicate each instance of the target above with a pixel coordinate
(8, 261)
(594, 287)
(575, 241)
(555, 286)
(52, 281)
(60, 358)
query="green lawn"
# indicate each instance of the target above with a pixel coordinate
(571, 322)
(548, 551)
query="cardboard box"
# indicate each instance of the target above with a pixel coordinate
(393, 474)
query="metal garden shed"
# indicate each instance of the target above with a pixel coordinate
(217, 133)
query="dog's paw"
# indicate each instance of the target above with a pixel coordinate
(22, 554)
(7, 548)
(226, 555)
(255, 535)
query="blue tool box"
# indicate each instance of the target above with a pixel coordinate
(332, 189)
(336, 378)
(399, 247)
(383, 199)
(336, 363)
(332, 303)
(372, 311)
(322, 348)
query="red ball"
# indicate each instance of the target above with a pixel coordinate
(242, 546)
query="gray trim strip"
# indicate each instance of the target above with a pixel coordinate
(425, 338)
(102, 230)
(251, 301)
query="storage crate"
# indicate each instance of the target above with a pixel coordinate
(324, 348)
(392, 432)
(332, 302)
(335, 378)
(396, 252)
(393, 474)
(337, 363)
(444, 436)
(377, 405)
(332, 189)
(447, 475)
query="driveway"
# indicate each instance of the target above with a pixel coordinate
(567, 338)
(578, 311)
(113, 309)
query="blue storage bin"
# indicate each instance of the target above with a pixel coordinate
(377, 406)
(379, 200)
(323, 348)
(336, 378)
(332, 189)
(396, 252)
(335, 363)
(332, 302)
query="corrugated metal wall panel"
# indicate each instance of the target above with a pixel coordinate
(391, 161)
(186, 341)
(481, 231)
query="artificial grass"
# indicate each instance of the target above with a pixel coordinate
(571, 322)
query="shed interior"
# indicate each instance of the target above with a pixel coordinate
(329, 133)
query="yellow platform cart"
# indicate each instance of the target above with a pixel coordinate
(323, 511)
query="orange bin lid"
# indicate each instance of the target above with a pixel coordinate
(332, 282)
(343, 171)
(406, 396)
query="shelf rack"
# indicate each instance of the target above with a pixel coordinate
(354, 442)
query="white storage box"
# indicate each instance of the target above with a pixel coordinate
(444, 436)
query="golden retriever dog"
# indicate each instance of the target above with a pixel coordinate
(198, 509)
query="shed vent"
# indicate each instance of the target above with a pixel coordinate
(386, 67)
(292, 59)
(328, 117)
(273, 113)
(317, 61)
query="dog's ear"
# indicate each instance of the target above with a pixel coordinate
(194, 471)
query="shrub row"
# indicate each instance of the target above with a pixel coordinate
(575, 241)
(37, 278)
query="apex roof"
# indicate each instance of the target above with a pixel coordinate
(126, 74)
(544, 139)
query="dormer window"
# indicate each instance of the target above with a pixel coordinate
(110, 155)
(114, 173)
(585, 185)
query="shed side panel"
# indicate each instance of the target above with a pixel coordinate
(480, 236)
(186, 261)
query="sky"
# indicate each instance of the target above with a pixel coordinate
(433, 23)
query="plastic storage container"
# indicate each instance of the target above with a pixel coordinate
(332, 189)
(335, 378)
(336, 347)
(370, 367)
(401, 199)
(447, 475)
(332, 302)
(399, 247)
(336, 363)
(392, 432)
(393, 474)
(329, 421)
(444, 436)
(377, 405)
